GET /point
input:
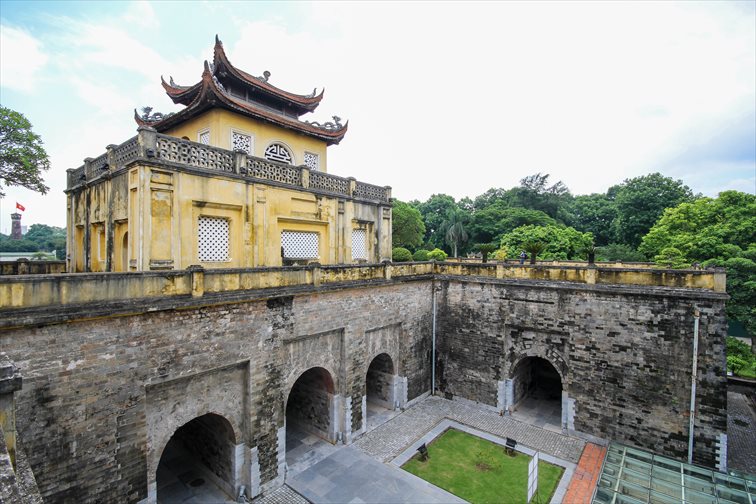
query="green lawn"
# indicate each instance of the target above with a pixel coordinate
(480, 471)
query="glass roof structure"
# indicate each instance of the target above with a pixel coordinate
(633, 476)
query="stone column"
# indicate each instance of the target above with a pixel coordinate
(10, 382)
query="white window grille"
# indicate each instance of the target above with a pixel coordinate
(278, 152)
(359, 244)
(299, 245)
(213, 239)
(204, 137)
(241, 142)
(312, 161)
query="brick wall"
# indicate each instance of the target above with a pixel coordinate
(624, 354)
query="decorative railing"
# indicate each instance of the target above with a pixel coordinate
(369, 191)
(270, 170)
(196, 154)
(153, 146)
(329, 183)
(126, 152)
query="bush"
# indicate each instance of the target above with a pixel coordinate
(671, 257)
(740, 358)
(401, 254)
(420, 255)
(501, 254)
(437, 255)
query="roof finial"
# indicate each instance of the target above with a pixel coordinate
(217, 40)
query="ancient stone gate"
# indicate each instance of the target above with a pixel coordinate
(225, 357)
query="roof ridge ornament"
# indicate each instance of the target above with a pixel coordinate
(330, 126)
(265, 76)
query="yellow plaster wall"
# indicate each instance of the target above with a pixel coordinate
(222, 123)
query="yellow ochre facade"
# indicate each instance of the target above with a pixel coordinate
(224, 183)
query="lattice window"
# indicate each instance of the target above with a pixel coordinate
(241, 142)
(213, 239)
(204, 137)
(278, 152)
(299, 245)
(359, 244)
(312, 161)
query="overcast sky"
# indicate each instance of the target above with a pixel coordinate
(445, 97)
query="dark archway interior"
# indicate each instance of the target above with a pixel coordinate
(198, 460)
(308, 407)
(379, 382)
(536, 378)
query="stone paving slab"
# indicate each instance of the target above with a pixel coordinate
(387, 441)
(741, 433)
(351, 476)
(283, 495)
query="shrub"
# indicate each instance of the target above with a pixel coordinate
(437, 255)
(501, 254)
(401, 254)
(420, 255)
(671, 258)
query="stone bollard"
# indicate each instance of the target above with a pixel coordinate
(197, 273)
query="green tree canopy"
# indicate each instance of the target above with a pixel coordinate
(534, 193)
(435, 212)
(594, 213)
(407, 226)
(489, 224)
(456, 234)
(641, 201)
(706, 228)
(22, 157)
(562, 243)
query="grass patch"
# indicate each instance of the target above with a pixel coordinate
(480, 471)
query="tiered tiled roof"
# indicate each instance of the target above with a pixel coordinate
(254, 97)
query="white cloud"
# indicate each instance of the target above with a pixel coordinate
(21, 59)
(451, 97)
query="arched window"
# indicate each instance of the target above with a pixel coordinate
(278, 152)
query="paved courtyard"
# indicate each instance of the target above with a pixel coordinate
(360, 473)
(387, 441)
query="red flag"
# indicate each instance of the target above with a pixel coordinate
(20, 206)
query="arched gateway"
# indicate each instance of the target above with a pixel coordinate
(200, 461)
(380, 391)
(535, 392)
(311, 412)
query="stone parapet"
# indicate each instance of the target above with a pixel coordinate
(34, 291)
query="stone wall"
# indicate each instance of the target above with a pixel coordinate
(624, 355)
(103, 394)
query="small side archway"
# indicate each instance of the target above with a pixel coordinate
(536, 392)
(382, 395)
(201, 459)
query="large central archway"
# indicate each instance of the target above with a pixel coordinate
(537, 393)
(310, 415)
(199, 463)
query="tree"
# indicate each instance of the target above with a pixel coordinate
(535, 193)
(22, 157)
(641, 201)
(562, 243)
(485, 249)
(533, 247)
(489, 224)
(707, 228)
(407, 228)
(456, 234)
(435, 212)
(594, 213)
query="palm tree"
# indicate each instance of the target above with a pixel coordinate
(485, 249)
(455, 230)
(533, 247)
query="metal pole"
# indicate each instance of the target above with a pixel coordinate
(693, 379)
(433, 353)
